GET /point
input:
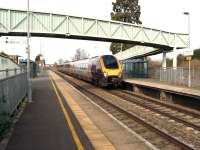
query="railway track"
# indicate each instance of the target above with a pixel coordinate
(152, 124)
(188, 117)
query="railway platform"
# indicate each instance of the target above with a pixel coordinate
(165, 91)
(60, 117)
(43, 124)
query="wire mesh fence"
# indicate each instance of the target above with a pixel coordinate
(13, 88)
(178, 76)
(10, 72)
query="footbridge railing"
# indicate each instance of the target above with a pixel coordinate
(14, 22)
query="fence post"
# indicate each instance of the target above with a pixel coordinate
(7, 74)
(160, 75)
(15, 71)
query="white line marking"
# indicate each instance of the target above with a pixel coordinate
(111, 116)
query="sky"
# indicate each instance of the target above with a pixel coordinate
(158, 14)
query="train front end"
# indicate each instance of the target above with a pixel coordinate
(112, 70)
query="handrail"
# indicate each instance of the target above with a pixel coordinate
(11, 72)
(10, 69)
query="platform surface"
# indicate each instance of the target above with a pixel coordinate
(104, 132)
(42, 125)
(166, 87)
(95, 135)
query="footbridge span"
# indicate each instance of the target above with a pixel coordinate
(14, 23)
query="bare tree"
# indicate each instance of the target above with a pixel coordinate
(80, 54)
(60, 61)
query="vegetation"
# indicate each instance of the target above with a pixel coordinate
(60, 61)
(181, 60)
(197, 54)
(125, 11)
(80, 54)
(195, 63)
(152, 66)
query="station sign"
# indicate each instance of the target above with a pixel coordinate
(188, 53)
(189, 58)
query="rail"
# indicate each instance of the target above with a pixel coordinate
(117, 109)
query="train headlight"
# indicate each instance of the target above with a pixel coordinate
(105, 74)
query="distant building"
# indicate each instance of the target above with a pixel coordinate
(33, 67)
(39, 60)
(7, 66)
(15, 58)
(7, 63)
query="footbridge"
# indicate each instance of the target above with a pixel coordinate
(14, 23)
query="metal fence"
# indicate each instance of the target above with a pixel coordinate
(135, 68)
(178, 76)
(10, 72)
(12, 91)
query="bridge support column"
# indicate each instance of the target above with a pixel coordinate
(164, 60)
(175, 58)
(145, 67)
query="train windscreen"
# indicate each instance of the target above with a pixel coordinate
(110, 62)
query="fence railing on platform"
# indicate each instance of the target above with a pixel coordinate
(10, 72)
(178, 76)
(13, 88)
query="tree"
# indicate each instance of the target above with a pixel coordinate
(80, 54)
(180, 59)
(196, 54)
(125, 11)
(60, 61)
(152, 67)
(169, 62)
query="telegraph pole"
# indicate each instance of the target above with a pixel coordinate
(28, 54)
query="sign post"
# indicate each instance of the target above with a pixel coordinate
(189, 54)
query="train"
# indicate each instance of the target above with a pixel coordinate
(103, 71)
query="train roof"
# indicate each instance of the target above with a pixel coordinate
(85, 59)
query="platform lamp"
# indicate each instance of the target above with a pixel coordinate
(189, 64)
(28, 54)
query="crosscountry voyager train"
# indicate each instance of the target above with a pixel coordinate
(101, 70)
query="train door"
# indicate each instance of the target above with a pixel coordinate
(96, 71)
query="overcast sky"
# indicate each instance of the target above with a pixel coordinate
(160, 14)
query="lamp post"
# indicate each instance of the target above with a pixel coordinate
(189, 63)
(28, 54)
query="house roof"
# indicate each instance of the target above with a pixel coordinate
(2, 54)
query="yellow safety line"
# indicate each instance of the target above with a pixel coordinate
(68, 120)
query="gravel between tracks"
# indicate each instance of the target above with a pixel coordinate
(175, 129)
